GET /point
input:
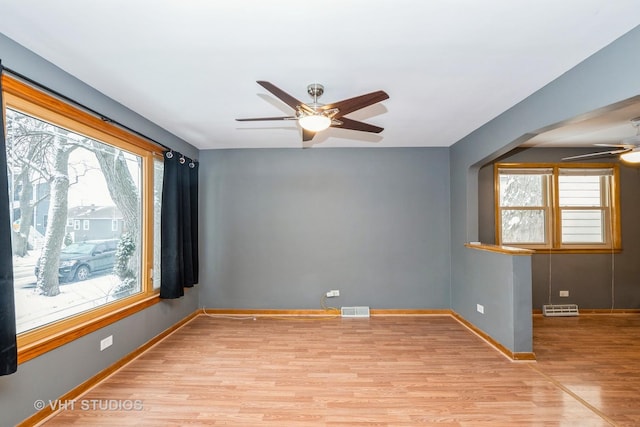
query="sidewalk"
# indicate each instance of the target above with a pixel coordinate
(33, 309)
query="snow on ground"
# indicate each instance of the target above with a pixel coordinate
(33, 309)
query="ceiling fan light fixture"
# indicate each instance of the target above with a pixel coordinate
(315, 122)
(632, 156)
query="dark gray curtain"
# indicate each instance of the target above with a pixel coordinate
(179, 226)
(8, 345)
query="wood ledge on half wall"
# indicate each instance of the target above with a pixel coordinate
(508, 250)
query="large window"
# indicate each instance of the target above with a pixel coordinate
(71, 178)
(558, 207)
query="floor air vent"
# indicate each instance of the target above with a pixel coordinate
(560, 310)
(355, 311)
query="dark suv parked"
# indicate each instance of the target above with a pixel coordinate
(79, 260)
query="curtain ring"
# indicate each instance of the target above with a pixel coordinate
(169, 154)
(192, 164)
(182, 160)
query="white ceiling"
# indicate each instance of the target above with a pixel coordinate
(191, 66)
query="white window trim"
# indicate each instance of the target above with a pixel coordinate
(611, 222)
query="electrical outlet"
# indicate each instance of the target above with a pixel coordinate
(480, 308)
(106, 343)
(333, 293)
(564, 293)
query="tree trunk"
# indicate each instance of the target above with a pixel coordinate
(47, 280)
(124, 193)
(21, 237)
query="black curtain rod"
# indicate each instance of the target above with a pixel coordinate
(78, 104)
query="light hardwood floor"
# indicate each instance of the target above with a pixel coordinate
(382, 371)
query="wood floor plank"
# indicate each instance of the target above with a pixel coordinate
(597, 357)
(381, 371)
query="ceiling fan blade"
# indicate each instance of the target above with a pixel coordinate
(350, 105)
(261, 119)
(629, 146)
(282, 95)
(307, 135)
(356, 125)
(601, 153)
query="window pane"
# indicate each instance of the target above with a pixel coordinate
(579, 190)
(586, 171)
(67, 257)
(158, 172)
(522, 190)
(586, 198)
(582, 226)
(523, 226)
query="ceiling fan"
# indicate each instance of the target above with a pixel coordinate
(628, 149)
(315, 117)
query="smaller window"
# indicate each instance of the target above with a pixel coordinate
(114, 225)
(524, 205)
(158, 171)
(85, 224)
(69, 222)
(557, 207)
(76, 224)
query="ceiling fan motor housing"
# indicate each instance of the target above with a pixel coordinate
(315, 90)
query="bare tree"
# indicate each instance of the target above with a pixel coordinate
(125, 195)
(28, 146)
(47, 280)
(39, 152)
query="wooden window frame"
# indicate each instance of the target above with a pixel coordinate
(25, 98)
(611, 222)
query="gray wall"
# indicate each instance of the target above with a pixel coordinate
(282, 226)
(502, 285)
(15, 57)
(279, 229)
(55, 373)
(607, 77)
(596, 281)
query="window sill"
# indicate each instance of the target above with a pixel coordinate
(508, 250)
(564, 250)
(31, 346)
(577, 251)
